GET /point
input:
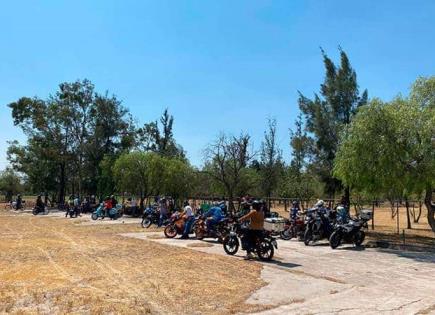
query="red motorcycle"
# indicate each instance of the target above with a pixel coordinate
(294, 228)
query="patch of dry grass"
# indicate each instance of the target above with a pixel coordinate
(55, 266)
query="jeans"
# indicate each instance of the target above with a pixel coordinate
(250, 239)
(162, 218)
(188, 226)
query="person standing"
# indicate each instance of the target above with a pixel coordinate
(190, 218)
(163, 211)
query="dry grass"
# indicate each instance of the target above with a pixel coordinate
(55, 266)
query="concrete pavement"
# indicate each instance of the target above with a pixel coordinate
(348, 280)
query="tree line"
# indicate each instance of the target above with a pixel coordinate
(82, 142)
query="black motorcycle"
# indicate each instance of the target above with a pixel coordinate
(264, 246)
(319, 224)
(350, 231)
(71, 211)
(37, 210)
(152, 216)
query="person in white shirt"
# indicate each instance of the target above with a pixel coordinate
(190, 218)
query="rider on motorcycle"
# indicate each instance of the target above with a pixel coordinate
(215, 215)
(40, 206)
(256, 226)
(294, 210)
(190, 218)
(19, 202)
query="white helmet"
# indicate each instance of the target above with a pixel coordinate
(319, 203)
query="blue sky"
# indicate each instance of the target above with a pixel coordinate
(217, 65)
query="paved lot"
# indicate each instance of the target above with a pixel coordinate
(318, 280)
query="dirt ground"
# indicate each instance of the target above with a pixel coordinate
(52, 265)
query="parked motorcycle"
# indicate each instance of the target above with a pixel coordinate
(38, 210)
(72, 212)
(175, 226)
(294, 228)
(151, 216)
(351, 231)
(221, 229)
(264, 246)
(319, 224)
(113, 214)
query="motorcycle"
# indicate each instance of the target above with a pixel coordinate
(294, 228)
(264, 247)
(38, 210)
(176, 225)
(151, 216)
(351, 231)
(221, 229)
(319, 224)
(72, 212)
(113, 214)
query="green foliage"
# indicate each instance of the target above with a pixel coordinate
(68, 136)
(161, 141)
(389, 148)
(10, 183)
(148, 173)
(327, 115)
(271, 164)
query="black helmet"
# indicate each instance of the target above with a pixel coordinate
(256, 204)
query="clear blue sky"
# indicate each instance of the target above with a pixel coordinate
(217, 65)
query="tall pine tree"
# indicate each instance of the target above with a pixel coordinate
(328, 113)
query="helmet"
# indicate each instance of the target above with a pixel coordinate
(256, 205)
(186, 203)
(319, 203)
(295, 203)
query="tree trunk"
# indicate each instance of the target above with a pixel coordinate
(408, 216)
(347, 198)
(430, 208)
(61, 199)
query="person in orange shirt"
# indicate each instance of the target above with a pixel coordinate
(256, 226)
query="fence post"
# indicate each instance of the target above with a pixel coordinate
(398, 220)
(285, 205)
(373, 216)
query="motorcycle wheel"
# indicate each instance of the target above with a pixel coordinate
(231, 245)
(94, 216)
(199, 233)
(286, 235)
(170, 231)
(146, 223)
(335, 240)
(308, 236)
(359, 238)
(265, 250)
(34, 212)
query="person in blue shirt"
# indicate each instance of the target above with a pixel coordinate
(215, 215)
(294, 210)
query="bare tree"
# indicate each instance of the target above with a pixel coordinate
(226, 159)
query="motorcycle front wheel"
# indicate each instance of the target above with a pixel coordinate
(199, 233)
(170, 231)
(286, 235)
(308, 236)
(265, 250)
(231, 245)
(35, 212)
(94, 216)
(359, 238)
(146, 223)
(335, 240)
